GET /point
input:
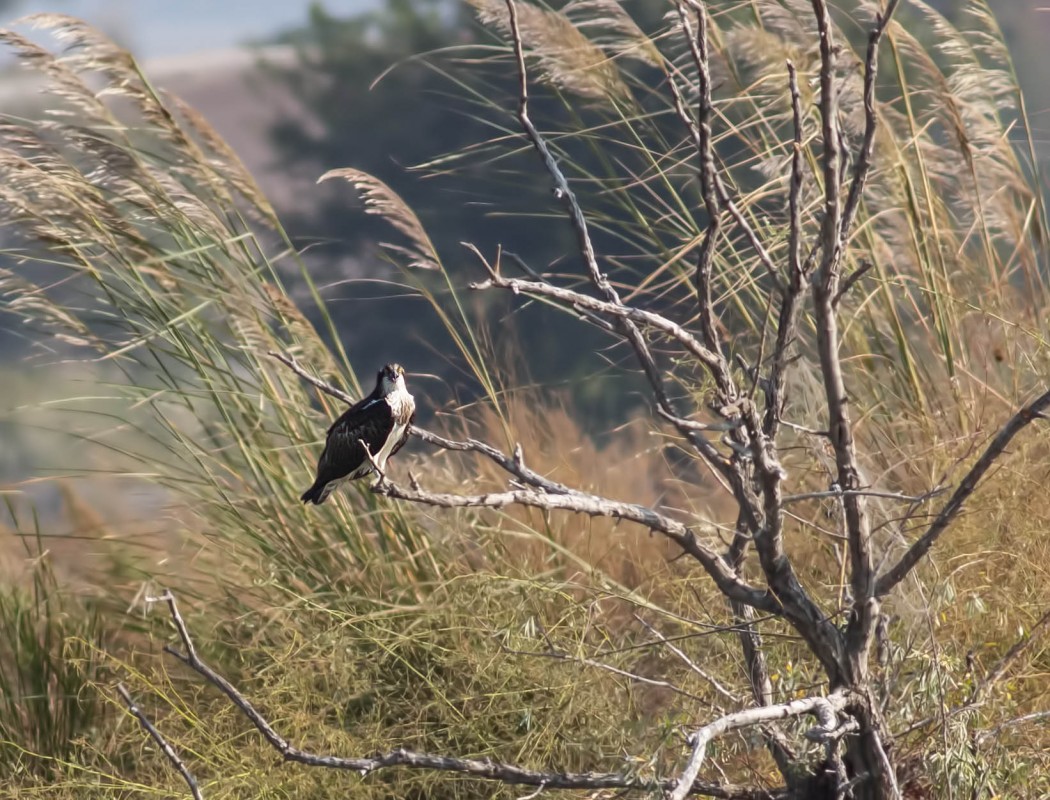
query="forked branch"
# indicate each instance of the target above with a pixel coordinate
(825, 709)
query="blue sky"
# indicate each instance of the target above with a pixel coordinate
(153, 28)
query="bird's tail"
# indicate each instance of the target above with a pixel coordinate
(316, 494)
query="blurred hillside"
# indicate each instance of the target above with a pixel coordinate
(309, 101)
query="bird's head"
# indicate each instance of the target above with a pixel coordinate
(391, 378)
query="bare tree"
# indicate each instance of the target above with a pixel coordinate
(740, 442)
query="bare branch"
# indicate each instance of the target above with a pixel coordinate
(721, 193)
(715, 364)
(562, 190)
(718, 687)
(803, 429)
(558, 655)
(921, 546)
(795, 187)
(994, 676)
(162, 743)
(300, 370)
(832, 144)
(514, 466)
(1037, 716)
(708, 171)
(1015, 652)
(479, 768)
(723, 427)
(553, 495)
(825, 709)
(861, 626)
(863, 166)
(791, 302)
(836, 492)
(851, 280)
(578, 502)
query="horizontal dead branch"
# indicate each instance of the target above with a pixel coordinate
(725, 578)
(837, 492)
(513, 464)
(483, 768)
(569, 658)
(982, 737)
(714, 362)
(552, 495)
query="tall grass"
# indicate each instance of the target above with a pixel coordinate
(161, 266)
(50, 645)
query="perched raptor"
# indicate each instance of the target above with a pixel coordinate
(378, 422)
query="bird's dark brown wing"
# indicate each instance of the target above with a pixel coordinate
(344, 454)
(356, 409)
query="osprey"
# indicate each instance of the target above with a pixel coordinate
(378, 422)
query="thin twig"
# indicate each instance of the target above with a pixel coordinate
(723, 426)
(721, 193)
(718, 687)
(558, 655)
(1018, 649)
(301, 371)
(707, 170)
(995, 675)
(897, 496)
(1036, 716)
(162, 743)
(795, 186)
(851, 280)
(791, 298)
(863, 166)
(713, 361)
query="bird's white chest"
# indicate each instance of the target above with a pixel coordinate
(402, 404)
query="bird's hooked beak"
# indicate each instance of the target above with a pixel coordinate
(392, 378)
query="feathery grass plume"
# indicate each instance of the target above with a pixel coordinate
(225, 161)
(151, 263)
(382, 201)
(64, 82)
(608, 25)
(567, 59)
